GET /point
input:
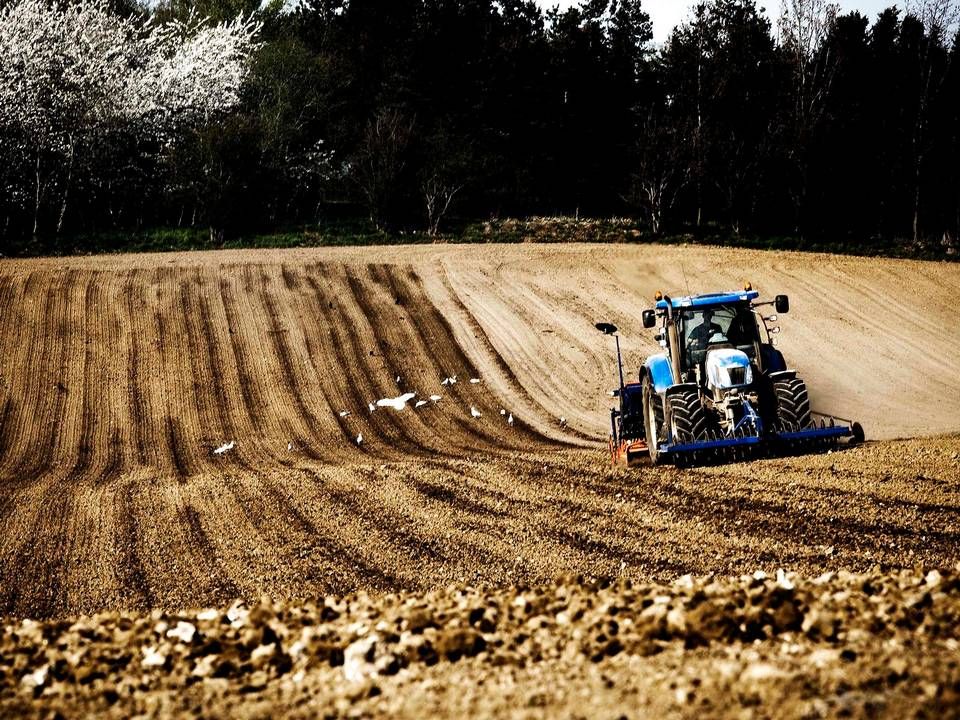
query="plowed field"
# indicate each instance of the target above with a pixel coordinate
(120, 377)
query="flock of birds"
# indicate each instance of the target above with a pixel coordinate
(399, 403)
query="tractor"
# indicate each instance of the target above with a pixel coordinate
(720, 391)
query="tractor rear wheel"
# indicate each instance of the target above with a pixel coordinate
(793, 405)
(688, 417)
(652, 418)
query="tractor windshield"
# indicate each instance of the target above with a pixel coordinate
(719, 325)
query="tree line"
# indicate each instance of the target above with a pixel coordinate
(413, 114)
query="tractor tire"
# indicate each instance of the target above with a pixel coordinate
(793, 405)
(688, 417)
(652, 419)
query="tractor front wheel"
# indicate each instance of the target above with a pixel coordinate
(793, 405)
(688, 417)
(652, 418)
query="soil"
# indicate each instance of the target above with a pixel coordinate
(120, 376)
(839, 644)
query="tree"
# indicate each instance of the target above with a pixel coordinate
(72, 73)
(804, 26)
(937, 18)
(844, 196)
(380, 160)
(719, 75)
(661, 168)
(63, 72)
(741, 75)
(835, 128)
(444, 174)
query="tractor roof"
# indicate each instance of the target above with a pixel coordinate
(709, 299)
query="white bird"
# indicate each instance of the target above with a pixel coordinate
(452, 380)
(359, 439)
(420, 403)
(372, 407)
(563, 422)
(397, 403)
(474, 412)
(502, 411)
(435, 398)
(398, 379)
(344, 413)
(289, 447)
(227, 447)
(510, 420)
(474, 381)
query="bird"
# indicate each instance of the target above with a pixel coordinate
(398, 379)
(435, 398)
(359, 439)
(397, 403)
(474, 412)
(227, 447)
(563, 422)
(344, 413)
(502, 411)
(371, 407)
(510, 420)
(452, 380)
(420, 403)
(289, 447)
(474, 381)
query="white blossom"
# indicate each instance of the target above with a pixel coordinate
(71, 72)
(78, 63)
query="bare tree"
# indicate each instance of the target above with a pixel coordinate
(662, 169)
(939, 17)
(448, 159)
(380, 160)
(438, 192)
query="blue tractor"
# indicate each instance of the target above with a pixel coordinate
(720, 391)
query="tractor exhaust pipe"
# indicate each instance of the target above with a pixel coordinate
(673, 337)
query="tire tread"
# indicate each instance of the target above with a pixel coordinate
(793, 405)
(689, 417)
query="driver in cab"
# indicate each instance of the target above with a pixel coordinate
(699, 337)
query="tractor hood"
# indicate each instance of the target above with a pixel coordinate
(728, 368)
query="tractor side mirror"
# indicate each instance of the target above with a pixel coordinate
(782, 304)
(606, 328)
(649, 318)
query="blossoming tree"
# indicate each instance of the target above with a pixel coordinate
(73, 72)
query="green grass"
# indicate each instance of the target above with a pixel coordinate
(355, 232)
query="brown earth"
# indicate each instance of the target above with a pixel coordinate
(120, 375)
(837, 645)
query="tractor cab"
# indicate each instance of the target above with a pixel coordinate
(725, 326)
(720, 338)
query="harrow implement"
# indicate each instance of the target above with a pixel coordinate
(826, 434)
